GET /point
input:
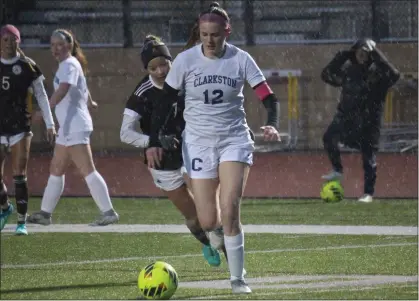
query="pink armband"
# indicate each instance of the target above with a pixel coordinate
(263, 90)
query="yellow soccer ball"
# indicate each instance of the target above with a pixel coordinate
(158, 281)
(332, 192)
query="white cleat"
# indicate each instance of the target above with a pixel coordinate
(334, 175)
(239, 286)
(105, 219)
(39, 218)
(366, 198)
(216, 238)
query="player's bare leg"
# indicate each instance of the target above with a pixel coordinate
(233, 178)
(20, 157)
(81, 155)
(54, 188)
(183, 200)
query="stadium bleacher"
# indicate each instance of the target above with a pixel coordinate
(100, 22)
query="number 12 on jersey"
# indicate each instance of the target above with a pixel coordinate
(215, 98)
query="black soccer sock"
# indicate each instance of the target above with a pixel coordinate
(200, 235)
(4, 199)
(21, 195)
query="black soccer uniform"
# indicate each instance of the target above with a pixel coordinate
(357, 122)
(143, 101)
(15, 95)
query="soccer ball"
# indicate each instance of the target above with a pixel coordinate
(332, 192)
(158, 281)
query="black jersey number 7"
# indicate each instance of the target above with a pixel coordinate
(215, 98)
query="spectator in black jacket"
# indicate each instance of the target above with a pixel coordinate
(364, 75)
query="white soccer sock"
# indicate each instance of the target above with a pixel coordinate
(99, 191)
(235, 253)
(52, 193)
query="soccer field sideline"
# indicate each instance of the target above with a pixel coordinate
(257, 229)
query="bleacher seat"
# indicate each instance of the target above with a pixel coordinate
(274, 21)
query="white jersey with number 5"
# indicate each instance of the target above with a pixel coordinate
(214, 111)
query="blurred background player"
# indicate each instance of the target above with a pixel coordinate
(156, 59)
(19, 77)
(365, 75)
(71, 99)
(217, 144)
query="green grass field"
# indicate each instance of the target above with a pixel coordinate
(280, 266)
(266, 211)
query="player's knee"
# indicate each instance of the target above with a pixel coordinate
(208, 223)
(330, 140)
(231, 221)
(19, 168)
(57, 168)
(209, 218)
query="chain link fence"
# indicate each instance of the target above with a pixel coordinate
(125, 22)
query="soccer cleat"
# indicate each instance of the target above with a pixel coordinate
(211, 255)
(40, 218)
(366, 198)
(216, 238)
(4, 216)
(21, 229)
(105, 219)
(334, 175)
(239, 286)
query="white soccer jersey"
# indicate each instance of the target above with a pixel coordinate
(214, 111)
(72, 111)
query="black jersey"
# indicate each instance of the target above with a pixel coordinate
(143, 101)
(16, 95)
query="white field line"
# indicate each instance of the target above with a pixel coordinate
(174, 228)
(291, 236)
(313, 291)
(83, 262)
(278, 283)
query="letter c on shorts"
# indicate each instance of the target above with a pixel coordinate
(194, 163)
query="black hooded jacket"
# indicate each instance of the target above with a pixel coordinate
(364, 87)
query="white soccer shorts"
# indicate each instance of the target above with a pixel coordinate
(12, 140)
(167, 180)
(73, 138)
(201, 162)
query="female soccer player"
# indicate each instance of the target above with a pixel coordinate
(156, 59)
(217, 145)
(70, 100)
(20, 78)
